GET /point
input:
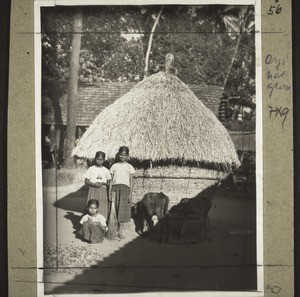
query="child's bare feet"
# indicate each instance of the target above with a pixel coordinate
(121, 236)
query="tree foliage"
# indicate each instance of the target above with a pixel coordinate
(115, 40)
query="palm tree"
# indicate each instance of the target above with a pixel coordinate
(73, 89)
(237, 22)
(234, 21)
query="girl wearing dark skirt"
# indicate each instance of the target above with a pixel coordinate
(98, 178)
(120, 191)
(93, 224)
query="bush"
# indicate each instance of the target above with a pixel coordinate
(234, 125)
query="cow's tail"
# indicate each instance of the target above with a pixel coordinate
(166, 217)
(166, 205)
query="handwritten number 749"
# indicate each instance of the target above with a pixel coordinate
(279, 112)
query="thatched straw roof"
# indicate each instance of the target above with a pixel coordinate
(94, 97)
(160, 119)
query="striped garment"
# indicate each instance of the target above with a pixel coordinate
(123, 206)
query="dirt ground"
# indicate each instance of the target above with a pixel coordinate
(225, 261)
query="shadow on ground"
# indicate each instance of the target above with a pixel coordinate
(225, 263)
(75, 219)
(73, 202)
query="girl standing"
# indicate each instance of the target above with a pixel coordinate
(93, 224)
(120, 191)
(98, 178)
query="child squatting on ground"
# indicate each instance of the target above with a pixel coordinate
(120, 190)
(93, 224)
(98, 178)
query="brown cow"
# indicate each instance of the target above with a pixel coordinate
(153, 204)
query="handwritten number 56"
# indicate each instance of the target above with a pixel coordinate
(275, 9)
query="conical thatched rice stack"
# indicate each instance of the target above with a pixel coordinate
(164, 123)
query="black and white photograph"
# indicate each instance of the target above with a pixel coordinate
(150, 151)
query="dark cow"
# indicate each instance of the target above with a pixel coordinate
(196, 207)
(201, 207)
(153, 204)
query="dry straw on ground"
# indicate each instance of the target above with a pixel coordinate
(159, 119)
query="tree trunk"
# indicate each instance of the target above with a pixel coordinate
(150, 42)
(236, 49)
(224, 102)
(73, 90)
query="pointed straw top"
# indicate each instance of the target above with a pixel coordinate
(160, 119)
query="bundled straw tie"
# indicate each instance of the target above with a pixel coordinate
(112, 232)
